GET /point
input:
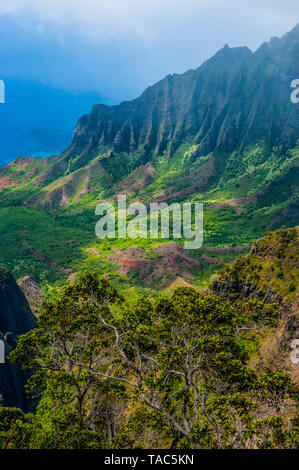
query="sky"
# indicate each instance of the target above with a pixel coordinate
(116, 48)
(60, 57)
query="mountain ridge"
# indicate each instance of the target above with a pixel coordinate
(225, 134)
(224, 105)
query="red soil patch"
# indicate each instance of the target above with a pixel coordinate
(93, 251)
(179, 282)
(239, 203)
(51, 263)
(72, 277)
(5, 183)
(173, 262)
(38, 255)
(144, 176)
(209, 259)
(202, 174)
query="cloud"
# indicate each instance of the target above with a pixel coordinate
(93, 18)
(118, 47)
(98, 19)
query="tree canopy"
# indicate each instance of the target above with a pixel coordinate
(174, 371)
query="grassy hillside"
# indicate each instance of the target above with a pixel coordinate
(180, 370)
(270, 273)
(245, 202)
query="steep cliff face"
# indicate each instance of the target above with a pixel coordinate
(269, 274)
(15, 318)
(32, 292)
(235, 100)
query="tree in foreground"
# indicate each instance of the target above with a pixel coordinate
(170, 372)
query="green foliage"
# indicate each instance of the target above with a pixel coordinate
(159, 372)
(292, 286)
(54, 243)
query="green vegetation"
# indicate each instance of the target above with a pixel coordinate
(51, 245)
(272, 264)
(151, 373)
(115, 361)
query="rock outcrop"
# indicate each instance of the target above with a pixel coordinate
(269, 274)
(32, 292)
(16, 318)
